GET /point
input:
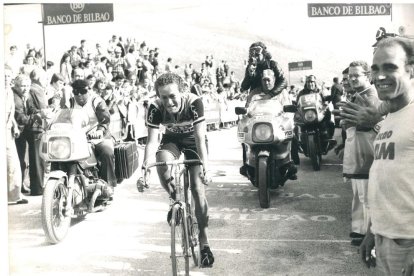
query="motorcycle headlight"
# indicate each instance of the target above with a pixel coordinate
(310, 116)
(59, 147)
(262, 133)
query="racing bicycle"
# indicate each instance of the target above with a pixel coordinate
(184, 227)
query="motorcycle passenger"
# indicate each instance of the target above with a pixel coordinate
(288, 169)
(327, 127)
(182, 114)
(262, 61)
(97, 112)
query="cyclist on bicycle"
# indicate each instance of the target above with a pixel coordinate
(182, 114)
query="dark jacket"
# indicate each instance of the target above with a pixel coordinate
(252, 82)
(336, 93)
(23, 119)
(37, 98)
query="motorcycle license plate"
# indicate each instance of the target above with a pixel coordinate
(241, 136)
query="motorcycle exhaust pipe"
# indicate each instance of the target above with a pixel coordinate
(92, 208)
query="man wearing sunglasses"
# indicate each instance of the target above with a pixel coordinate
(98, 112)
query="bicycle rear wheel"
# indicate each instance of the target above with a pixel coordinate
(180, 257)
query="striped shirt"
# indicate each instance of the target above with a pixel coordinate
(182, 123)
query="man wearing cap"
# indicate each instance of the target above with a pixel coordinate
(98, 112)
(263, 58)
(268, 82)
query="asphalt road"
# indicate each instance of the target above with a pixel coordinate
(304, 232)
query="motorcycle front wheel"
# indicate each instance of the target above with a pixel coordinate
(314, 152)
(54, 221)
(261, 181)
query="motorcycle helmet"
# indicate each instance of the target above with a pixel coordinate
(256, 49)
(311, 78)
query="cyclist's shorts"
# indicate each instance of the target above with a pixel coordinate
(177, 145)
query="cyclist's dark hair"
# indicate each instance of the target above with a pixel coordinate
(169, 78)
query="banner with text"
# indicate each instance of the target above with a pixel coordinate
(354, 9)
(301, 65)
(77, 13)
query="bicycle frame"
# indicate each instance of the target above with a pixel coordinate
(183, 208)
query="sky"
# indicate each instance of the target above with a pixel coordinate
(330, 42)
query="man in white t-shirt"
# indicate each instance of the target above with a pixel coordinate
(391, 186)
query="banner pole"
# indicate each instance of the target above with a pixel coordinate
(44, 38)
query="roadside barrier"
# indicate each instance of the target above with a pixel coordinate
(132, 126)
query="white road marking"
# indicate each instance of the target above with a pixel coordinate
(262, 240)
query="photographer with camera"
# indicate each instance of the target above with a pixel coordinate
(259, 60)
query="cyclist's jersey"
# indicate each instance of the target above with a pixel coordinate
(180, 124)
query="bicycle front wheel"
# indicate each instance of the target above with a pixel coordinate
(193, 232)
(180, 257)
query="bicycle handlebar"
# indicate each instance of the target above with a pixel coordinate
(174, 162)
(143, 184)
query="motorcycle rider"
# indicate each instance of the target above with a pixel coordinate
(268, 82)
(327, 127)
(97, 112)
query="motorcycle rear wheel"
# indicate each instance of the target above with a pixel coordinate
(314, 153)
(261, 180)
(54, 221)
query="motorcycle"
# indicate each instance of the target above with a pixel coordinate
(73, 188)
(265, 131)
(311, 121)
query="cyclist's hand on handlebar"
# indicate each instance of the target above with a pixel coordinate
(206, 177)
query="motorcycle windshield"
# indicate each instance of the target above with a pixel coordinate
(313, 99)
(260, 106)
(70, 119)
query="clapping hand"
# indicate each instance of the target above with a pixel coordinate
(365, 115)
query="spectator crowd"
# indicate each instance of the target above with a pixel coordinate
(121, 72)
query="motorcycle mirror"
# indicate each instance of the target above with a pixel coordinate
(290, 108)
(240, 110)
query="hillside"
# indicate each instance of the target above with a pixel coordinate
(188, 31)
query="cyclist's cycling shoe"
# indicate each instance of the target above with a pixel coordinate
(207, 258)
(141, 186)
(289, 171)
